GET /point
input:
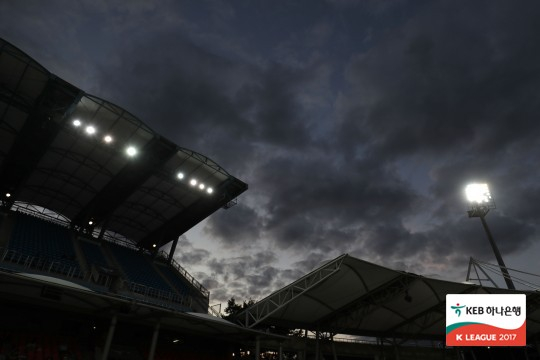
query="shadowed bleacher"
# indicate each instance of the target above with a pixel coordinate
(137, 268)
(43, 240)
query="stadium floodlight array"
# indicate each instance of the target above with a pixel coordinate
(481, 202)
(478, 193)
(91, 130)
(132, 151)
(193, 182)
(479, 198)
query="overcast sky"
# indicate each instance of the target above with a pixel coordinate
(356, 124)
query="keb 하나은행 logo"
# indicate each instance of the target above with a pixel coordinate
(458, 308)
(485, 320)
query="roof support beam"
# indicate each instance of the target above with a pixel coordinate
(279, 299)
(126, 182)
(193, 214)
(40, 129)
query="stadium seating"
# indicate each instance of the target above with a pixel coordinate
(174, 278)
(93, 254)
(45, 241)
(137, 268)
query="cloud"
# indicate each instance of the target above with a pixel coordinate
(245, 277)
(446, 80)
(354, 136)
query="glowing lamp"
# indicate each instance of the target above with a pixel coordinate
(478, 193)
(193, 182)
(131, 151)
(201, 186)
(77, 123)
(90, 130)
(209, 190)
(108, 139)
(180, 175)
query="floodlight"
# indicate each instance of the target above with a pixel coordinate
(8, 195)
(478, 193)
(77, 123)
(108, 139)
(201, 186)
(131, 151)
(90, 130)
(481, 202)
(209, 190)
(154, 245)
(193, 182)
(180, 175)
(90, 222)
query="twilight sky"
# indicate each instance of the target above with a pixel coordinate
(356, 124)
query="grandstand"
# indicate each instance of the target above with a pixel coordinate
(89, 194)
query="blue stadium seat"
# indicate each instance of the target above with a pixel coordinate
(93, 254)
(174, 278)
(137, 268)
(42, 239)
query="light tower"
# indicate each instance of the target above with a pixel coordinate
(481, 202)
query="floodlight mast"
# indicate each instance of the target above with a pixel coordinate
(481, 202)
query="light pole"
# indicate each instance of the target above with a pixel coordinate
(481, 202)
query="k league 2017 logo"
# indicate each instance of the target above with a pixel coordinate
(485, 320)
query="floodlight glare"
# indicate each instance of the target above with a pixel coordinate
(180, 175)
(209, 190)
(90, 130)
(8, 195)
(193, 182)
(108, 139)
(154, 245)
(201, 186)
(131, 151)
(90, 222)
(77, 123)
(478, 193)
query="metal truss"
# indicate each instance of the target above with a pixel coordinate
(476, 266)
(354, 314)
(261, 310)
(520, 277)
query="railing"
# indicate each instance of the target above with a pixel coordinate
(212, 311)
(100, 279)
(42, 264)
(157, 296)
(187, 276)
(343, 338)
(137, 291)
(40, 213)
(118, 239)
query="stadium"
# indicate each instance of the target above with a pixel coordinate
(89, 193)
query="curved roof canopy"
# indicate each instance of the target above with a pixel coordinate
(95, 163)
(352, 296)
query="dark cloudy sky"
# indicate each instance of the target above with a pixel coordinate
(356, 124)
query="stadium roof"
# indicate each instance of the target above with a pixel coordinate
(41, 291)
(95, 163)
(351, 296)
